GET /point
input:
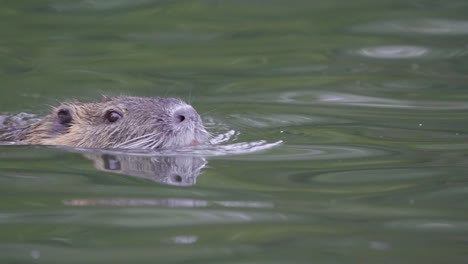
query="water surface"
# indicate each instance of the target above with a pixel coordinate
(369, 100)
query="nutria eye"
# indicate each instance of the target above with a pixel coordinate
(64, 117)
(112, 116)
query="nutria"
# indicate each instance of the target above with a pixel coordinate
(115, 122)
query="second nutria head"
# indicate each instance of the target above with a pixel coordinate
(120, 122)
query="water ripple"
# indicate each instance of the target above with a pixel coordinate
(313, 97)
(314, 152)
(420, 26)
(275, 120)
(169, 203)
(409, 52)
(393, 52)
(174, 37)
(376, 175)
(97, 5)
(144, 217)
(429, 225)
(228, 149)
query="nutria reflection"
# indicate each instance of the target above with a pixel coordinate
(172, 170)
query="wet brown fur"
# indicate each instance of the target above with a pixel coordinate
(89, 127)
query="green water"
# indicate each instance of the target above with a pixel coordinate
(370, 99)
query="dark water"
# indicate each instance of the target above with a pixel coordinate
(369, 98)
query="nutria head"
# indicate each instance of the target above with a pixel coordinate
(120, 122)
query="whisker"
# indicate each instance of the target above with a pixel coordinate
(142, 140)
(140, 143)
(155, 144)
(132, 140)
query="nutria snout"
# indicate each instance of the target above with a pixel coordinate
(117, 122)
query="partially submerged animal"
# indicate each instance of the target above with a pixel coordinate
(115, 122)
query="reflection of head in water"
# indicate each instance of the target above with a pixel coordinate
(172, 170)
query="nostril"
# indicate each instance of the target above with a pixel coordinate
(180, 118)
(184, 115)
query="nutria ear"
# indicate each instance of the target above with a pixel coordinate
(64, 117)
(62, 121)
